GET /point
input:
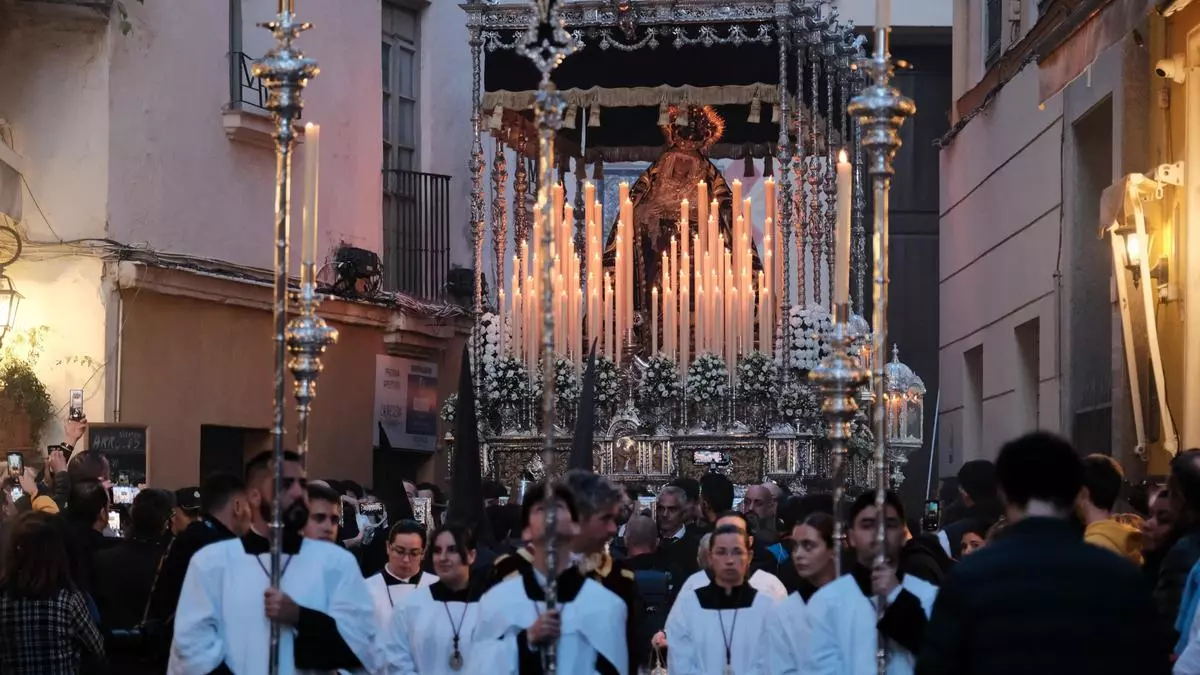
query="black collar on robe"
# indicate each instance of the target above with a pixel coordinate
(862, 577)
(443, 593)
(713, 596)
(255, 544)
(570, 582)
(390, 579)
(806, 589)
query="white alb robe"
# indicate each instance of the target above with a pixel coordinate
(790, 636)
(387, 598)
(763, 582)
(844, 633)
(592, 625)
(696, 638)
(221, 618)
(420, 637)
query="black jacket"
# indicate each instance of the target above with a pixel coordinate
(194, 537)
(1173, 572)
(1040, 601)
(924, 558)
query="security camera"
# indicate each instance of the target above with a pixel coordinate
(1171, 69)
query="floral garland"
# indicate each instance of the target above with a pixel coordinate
(608, 380)
(707, 379)
(862, 439)
(757, 378)
(660, 381)
(505, 380)
(810, 328)
(449, 409)
(485, 342)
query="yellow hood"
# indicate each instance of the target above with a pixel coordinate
(1116, 537)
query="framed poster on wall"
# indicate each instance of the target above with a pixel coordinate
(406, 404)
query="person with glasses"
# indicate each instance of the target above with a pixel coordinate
(431, 632)
(402, 574)
(322, 606)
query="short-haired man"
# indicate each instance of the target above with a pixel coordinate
(514, 623)
(1038, 599)
(86, 520)
(599, 504)
(187, 509)
(227, 606)
(324, 512)
(1102, 480)
(224, 514)
(679, 540)
(842, 613)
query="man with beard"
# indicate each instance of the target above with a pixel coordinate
(223, 621)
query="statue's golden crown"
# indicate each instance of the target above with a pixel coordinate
(704, 128)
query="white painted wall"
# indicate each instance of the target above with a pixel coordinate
(54, 85)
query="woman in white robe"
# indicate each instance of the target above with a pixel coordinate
(402, 574)
(431, 633)
(718, 629)
(813, 558)
(759, 580)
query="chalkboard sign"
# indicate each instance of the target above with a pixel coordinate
(119, 439)
(126, 446)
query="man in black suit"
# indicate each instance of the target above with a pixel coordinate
(1039, 600)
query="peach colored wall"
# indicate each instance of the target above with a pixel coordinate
(177, 183)
(188, 362)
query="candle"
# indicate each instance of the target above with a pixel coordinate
(685, 312)
(883, 14)
(841, 260)
(500, 319)
(702, 217)
(654, 320)
(764, 314)
(737, 197)
(308, 242)
(609, 309)
(769, 197)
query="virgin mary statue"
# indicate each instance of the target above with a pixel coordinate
(657, 194)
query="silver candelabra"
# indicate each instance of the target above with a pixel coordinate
(284, 72)
(881, 110)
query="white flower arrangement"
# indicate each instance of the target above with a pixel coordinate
(757, 376)
(707, 379)
(485, 342)
(566, 383)
(810, 329)
(660, 381)
(799, 403)
(608, 380)
(506, 380)
(449, 408)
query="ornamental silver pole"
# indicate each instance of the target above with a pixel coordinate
(284, 72)
(881, 110)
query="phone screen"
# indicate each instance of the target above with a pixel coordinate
(16, 492)
(931, 519)
(114, 521)
(124, 494)
(75, 411)
(16, 464)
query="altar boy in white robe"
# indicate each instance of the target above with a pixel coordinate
(431, 632)
(402, 574)
(842, 615)
(587, 627)
(719, 628)
(761, 581)
(223, 620)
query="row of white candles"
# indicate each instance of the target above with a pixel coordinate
(706, 283)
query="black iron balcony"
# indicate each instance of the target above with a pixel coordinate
(245, 90)
(416, 232)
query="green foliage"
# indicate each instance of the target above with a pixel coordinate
(21, 385)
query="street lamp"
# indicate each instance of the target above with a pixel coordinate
(9, 300)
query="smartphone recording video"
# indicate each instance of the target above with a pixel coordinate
(16, 465)
(114, 521)
(75, 407)
(124, 494)
(931, 517)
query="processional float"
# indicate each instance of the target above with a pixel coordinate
(687, 393)
(285, 72)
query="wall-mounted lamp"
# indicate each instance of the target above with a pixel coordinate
(1136, 248)
(9, 300)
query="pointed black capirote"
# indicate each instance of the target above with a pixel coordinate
(466, 501)
(585, 418)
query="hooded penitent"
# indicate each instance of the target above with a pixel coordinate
(585, 418)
